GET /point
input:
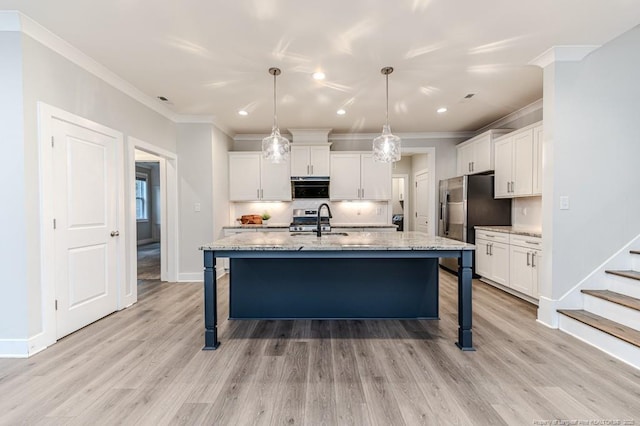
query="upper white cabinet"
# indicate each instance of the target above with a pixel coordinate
(251, 178)
(517, 163)
(476, 155)
(356, 176)
(310, 160)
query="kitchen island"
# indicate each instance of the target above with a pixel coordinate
(363, 275)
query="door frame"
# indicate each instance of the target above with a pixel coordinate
(46, 115)
(433, 171)
(168, 210)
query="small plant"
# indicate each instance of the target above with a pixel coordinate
(266, 216)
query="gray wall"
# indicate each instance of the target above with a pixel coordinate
(592, 147)
(49, 77)
(13, 244)
(202, 178)
(149, 230)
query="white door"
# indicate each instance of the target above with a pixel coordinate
(86, 208)
(422, 203)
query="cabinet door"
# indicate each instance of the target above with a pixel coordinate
(319, 160)
(244, 176)
(482, 155)
(522, 164)
(520, 275)
(375, 179)
(537, 160)
(500, 263)
(483, 259)
(465, 158)
(536, 261)
(300, 160)
(504, 165)
(275, 180)
(345, 177)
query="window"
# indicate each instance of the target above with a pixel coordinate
(142, 197)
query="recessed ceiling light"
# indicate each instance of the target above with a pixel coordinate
(341, 112)
(243, 112)
(318, 75)
(441, 110)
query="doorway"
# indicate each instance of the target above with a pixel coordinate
(148, 199)
(421, 201)
(400, 201)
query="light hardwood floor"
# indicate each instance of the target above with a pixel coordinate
(144, 365)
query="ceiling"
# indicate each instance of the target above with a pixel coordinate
(211, 57)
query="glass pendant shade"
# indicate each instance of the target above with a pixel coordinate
(386, 147)
(275, 147)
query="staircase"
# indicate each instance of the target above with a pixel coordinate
(610, 318)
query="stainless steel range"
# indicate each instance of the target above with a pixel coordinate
(306, 220)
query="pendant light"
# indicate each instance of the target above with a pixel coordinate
(275, 148)
(386, 147)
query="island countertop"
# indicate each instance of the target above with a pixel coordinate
(283, 241)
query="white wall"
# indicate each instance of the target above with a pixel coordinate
(13, 244)
(592, 147)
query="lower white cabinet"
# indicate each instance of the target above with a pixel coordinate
(511, 260)
(525, 256)
(492, 256)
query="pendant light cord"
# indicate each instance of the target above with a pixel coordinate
(275, 120)
(387, 116)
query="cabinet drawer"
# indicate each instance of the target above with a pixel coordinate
(525, 241)
(499, 237)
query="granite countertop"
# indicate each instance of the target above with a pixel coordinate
(273, 241)
(512, 230)
(333, 225)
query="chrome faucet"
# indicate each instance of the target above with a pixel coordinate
(319, 227)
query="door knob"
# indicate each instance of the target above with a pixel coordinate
(115, 233)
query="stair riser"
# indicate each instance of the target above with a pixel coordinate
(623, 285)
(603, 341)
(612, 311)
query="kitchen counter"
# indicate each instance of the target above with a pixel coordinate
(359, 275)
(273, 241)
(512, 230)
(333, 225)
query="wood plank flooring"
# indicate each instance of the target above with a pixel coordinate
(144, 365)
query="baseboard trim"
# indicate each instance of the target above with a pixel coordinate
(191, 277)
(548, 312)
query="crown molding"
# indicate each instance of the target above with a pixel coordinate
(15, 21)
(534, 106)
(563, 54)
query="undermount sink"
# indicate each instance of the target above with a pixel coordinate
(324, 234)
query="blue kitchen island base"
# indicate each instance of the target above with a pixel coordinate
(336, 288)
(332, 284)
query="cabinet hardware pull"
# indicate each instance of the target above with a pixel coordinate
(532, 242)
(469, 166)
(362, 192)
(533, 258)
(258, 193)
(513, 186)
(262, 193)
(491, 249)
(308, 169)
(528, 255)
(473, 166)
(312, 169)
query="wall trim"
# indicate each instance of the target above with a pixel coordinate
(563, 54)
(185, 277)
(533, 106)
(13, 20)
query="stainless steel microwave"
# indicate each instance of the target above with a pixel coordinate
(309, 187)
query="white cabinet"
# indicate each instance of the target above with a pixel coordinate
(525, 256)
(537, 159)
(309, 160)
(356, 176)
(251, 178)
(518, 165)
(476, 155)
(492, 256)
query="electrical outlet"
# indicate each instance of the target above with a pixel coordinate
(196, 207)
(378, 211)
(564, 202)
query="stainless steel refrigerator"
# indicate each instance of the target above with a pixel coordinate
(466, 202)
